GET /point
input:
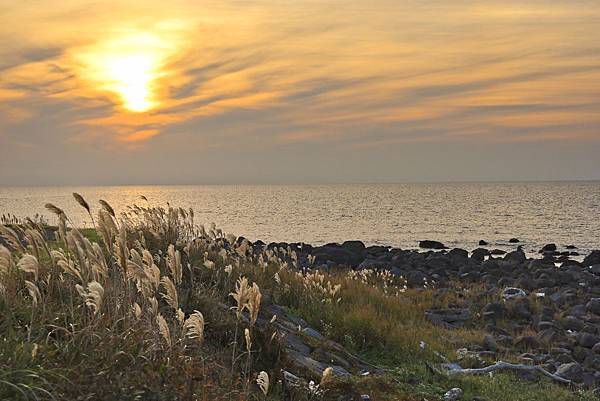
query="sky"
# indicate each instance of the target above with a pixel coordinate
(271, 91)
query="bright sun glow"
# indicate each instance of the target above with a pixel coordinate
(129, 67)
(132, 76)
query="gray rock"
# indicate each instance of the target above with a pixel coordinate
(494, 310)
(592, 259)
(453, 394)
(593, 306)
(517, 256)
(489, 343)
(479, 254)
(513, 292)
(587, 340)
(572, 323)
(527, 343)
(448, 317)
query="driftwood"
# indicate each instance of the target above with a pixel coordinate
(453, 369)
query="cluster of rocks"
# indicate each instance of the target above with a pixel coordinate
(546, 309)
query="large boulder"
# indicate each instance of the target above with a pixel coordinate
(593, 306)
(356, 247)
(479, 254)
(587, 340)
(548, 248)
(517, 256)
(592, 259)
(429, 244)
(336, 254)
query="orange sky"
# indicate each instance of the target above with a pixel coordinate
(325, 86)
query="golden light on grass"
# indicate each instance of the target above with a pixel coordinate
(130, 68)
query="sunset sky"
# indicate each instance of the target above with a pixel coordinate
(178, 92)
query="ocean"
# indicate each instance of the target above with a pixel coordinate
(399, 215)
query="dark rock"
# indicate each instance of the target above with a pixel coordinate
(519, 308)
(592, 259)
(517, 256)
(593, 306)
(548, 248)
(489, 344)
(479, 254)
(494, 310)
(415, 278)
(336, 254)
(458, 254)
(578, 310)
(596, 348)
(497, 252)
(482, 243)
(372, 264)
(572, 323)
(514, 240)
(571, 247)
(356, 247)
(429, 244)
(451, 317)
(527, 342)
(587, 340)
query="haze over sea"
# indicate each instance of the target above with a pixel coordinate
(458, 214)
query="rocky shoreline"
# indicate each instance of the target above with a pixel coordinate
(545, 311)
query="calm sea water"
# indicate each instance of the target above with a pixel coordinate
(398, 215)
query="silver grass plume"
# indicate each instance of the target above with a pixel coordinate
(248, 340)
(254, 298)
(34, 292)
(55, 209)
(94, 295)
(194, 327)
(66, 265)
(83, 203)
(240, 295)
(171, 292)
(6, 261)
(11, 237)
(106, 206)
(29, 264)
(163, 329)
(263, 382)
(174, 264)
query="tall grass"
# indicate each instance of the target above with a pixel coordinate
(152, 306)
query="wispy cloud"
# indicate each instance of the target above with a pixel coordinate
(265, 76)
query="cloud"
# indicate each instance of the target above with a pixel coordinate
(269, 76)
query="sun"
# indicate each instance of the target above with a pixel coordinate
(131, 77)
(130, 67)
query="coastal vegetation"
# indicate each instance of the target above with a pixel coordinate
(151, 305)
